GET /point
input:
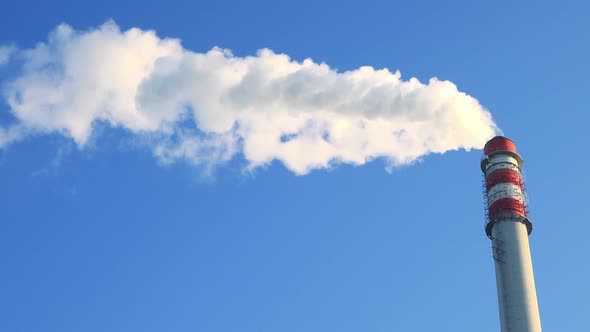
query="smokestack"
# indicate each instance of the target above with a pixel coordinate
(508, 227)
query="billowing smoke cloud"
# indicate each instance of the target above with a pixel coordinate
(207, 108)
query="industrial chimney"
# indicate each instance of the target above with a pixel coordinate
(508, 227)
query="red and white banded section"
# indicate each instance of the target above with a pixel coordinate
(505, 195)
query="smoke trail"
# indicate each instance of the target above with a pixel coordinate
(208, 107)
(6, 52)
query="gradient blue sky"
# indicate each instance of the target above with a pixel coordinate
(106, 239)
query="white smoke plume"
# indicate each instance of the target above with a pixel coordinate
(6, 52)
(207, 108)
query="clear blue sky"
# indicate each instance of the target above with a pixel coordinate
(105, 238)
